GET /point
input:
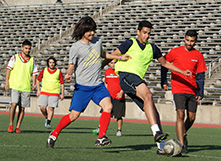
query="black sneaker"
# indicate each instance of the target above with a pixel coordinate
(184, 149)
(185, 141)
(159, 136)
(103, 141)
(51, 141)
(161, 152)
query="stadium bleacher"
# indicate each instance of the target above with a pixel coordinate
(49, 28)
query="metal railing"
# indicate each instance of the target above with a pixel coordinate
(212, 66)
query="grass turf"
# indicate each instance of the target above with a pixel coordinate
(76, 142)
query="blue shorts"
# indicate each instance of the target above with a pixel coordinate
(83, 95)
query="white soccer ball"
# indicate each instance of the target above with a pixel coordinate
(172, 147)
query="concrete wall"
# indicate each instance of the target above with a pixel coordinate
(205, 114)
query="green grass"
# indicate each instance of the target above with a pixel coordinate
(76, 143)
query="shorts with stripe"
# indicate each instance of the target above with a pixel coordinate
(83, 95)
(128, 84)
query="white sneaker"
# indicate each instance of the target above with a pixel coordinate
(118, 133)
(47, 126)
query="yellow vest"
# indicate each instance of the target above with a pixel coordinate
(139, 62)
(20, 75)
(51, 82)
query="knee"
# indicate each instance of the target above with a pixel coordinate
(108, 108)
(148, 97)
(192, 118)
(180, 115)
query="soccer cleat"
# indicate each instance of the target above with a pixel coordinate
(118, 133)
(184, 149)
(185, 141)
(103, 141)
(161, 152)
(96, 131)
(159, 136)
(51, 141)
(17, 130)
(10, 128)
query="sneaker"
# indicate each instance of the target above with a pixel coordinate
(47, 126)
(103, 141)
(17, 130)
(10, 128)
(160, 136)
(161, 152)
(51, 141)
(185, 141)
(184, 149)
(96, 131)
(118, 133)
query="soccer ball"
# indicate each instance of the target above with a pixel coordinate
(172, 147)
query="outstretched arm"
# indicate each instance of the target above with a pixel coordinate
(172, 67)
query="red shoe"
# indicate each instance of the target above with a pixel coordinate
(10, 128)
(17, 130)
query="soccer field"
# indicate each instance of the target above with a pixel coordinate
(76, 142)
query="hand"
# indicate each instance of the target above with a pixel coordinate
(68, 77)
(165, 87)
(6, 86)
(125, 57)
(198, 98)
(38, 93)
(119, 95)
(33, 86)
(187, 73)
(61, 97)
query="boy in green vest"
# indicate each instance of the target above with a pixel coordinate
(132, 71)
(52, 83)
(18, 78)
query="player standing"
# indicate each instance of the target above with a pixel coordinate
(18, 78)
(52, 85)
(186, 90)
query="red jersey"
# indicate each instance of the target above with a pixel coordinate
(113, 83)
(183, 59)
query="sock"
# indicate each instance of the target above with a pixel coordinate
(48, 122)
(154, 129)
(65, 121)
(161, 145)
(104, 123)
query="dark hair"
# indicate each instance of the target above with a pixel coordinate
(84, 25)
(51, 57)
(144, 24)
(26, 42)
(191, 33)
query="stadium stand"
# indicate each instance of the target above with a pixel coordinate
(49, 28)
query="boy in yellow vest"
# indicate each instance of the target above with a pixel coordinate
(18, 78)
(132, 71)
(52, 83)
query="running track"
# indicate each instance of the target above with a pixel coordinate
(125, 120)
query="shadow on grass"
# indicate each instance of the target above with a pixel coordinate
(203, 147)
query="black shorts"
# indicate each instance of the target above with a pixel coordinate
(128, 84)
(185, 101)
(118, 110)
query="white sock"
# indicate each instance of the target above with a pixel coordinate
(154, 129)
(161, 145)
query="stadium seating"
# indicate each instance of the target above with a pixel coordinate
(170, 19)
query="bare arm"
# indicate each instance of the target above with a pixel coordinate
(69, 72)
(34, 82)
(7, 78)
(116, 54)
(38, 88)
(172, 67)
(62, 92)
